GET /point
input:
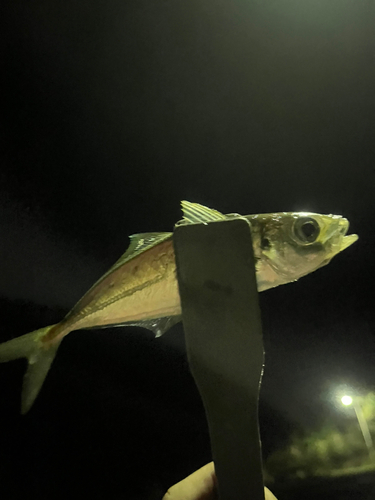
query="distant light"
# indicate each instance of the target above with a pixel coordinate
(346, 400)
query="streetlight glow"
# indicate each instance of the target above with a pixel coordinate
(346, 400)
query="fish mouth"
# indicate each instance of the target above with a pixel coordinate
(343, 244)
(335, 227)
(343, 226)
(336, 236)
(347, 241)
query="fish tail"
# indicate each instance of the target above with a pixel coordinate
(39, 355)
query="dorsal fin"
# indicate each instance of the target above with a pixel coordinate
(196, 213)
(138, 244)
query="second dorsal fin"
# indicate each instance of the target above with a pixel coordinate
(139, 243)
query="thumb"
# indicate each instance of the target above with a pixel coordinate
(201, 485)
(268, 495)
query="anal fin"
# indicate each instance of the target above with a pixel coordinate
(159, 325)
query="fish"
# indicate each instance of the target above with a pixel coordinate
(141, 288)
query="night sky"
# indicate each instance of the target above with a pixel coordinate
(112, 112)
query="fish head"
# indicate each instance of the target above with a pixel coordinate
(289, 245)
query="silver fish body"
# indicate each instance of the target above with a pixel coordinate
(141, 287)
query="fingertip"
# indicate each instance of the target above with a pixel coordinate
(268, 495)
(201, 485)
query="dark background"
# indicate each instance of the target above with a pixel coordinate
(112, 112)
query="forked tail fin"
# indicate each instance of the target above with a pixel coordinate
(39, 356)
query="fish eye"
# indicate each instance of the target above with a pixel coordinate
(306, 229)
(265, 244)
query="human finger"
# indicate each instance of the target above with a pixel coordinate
(201, 485)
(268, 495)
